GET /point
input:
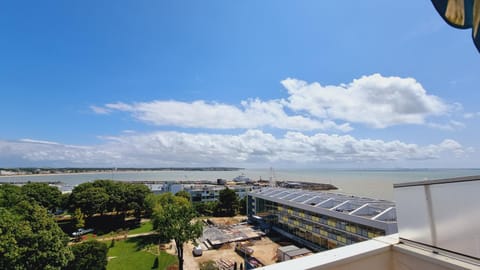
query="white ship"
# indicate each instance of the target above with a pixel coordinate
(242, 178)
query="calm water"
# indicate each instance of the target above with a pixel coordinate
(369, 183)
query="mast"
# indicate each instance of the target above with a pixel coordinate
(273, 181)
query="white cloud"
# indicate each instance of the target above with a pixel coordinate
(453, 146)
(38, 141)
(200, 114)
(100, 110)
(250, 147)
(451, 125)
(471, 115)
(45, 153)
(373, 100)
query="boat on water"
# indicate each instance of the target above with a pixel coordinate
(242, 178)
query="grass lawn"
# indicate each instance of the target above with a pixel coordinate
(165, 260)
(144, 227)
(138, 253)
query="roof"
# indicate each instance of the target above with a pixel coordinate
(367, 208)
(297, 252)
(287, 248)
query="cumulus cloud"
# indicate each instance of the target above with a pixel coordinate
(200, 114)
(373, 100)
(252, 146)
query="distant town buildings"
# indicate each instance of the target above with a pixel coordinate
(206, 191)
(6, 172)
(203, 192)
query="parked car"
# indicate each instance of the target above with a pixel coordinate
(81, 232)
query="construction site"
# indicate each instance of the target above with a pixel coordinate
(232, 243)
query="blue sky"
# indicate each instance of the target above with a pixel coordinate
(229, 83)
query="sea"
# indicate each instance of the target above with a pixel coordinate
(372, 183)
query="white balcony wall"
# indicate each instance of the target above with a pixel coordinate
(441, 214)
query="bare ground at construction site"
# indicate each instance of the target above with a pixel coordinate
(264, 249)
(227, 220)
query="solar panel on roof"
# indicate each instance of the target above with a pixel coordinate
(315, 200)
(350, 205)
(293, 195)
(330, 203)
(274, 192)
(304, 198)
(281, 194)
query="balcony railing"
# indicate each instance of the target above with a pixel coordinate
(442, 215)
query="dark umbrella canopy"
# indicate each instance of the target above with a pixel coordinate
(461, 14)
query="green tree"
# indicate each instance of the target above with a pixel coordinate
(31, 239)
(90, 199)
(65, 201)
(205, 208)
(10, 195)
(115, 194)
(135, 195)
(123, 196)
(150, 202)
(78, 219)
(45, 195)
(242, 206)
(91, 255)
(227, 202)
(10, 229)
(175, 220)
(109, 196)
(183, 193)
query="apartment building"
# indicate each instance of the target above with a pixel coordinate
(203, 192)
(321, 220)
(206, 193)
(438, 223)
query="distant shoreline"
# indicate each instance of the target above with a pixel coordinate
(369, 183)
(80, 173)
(122, 171)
